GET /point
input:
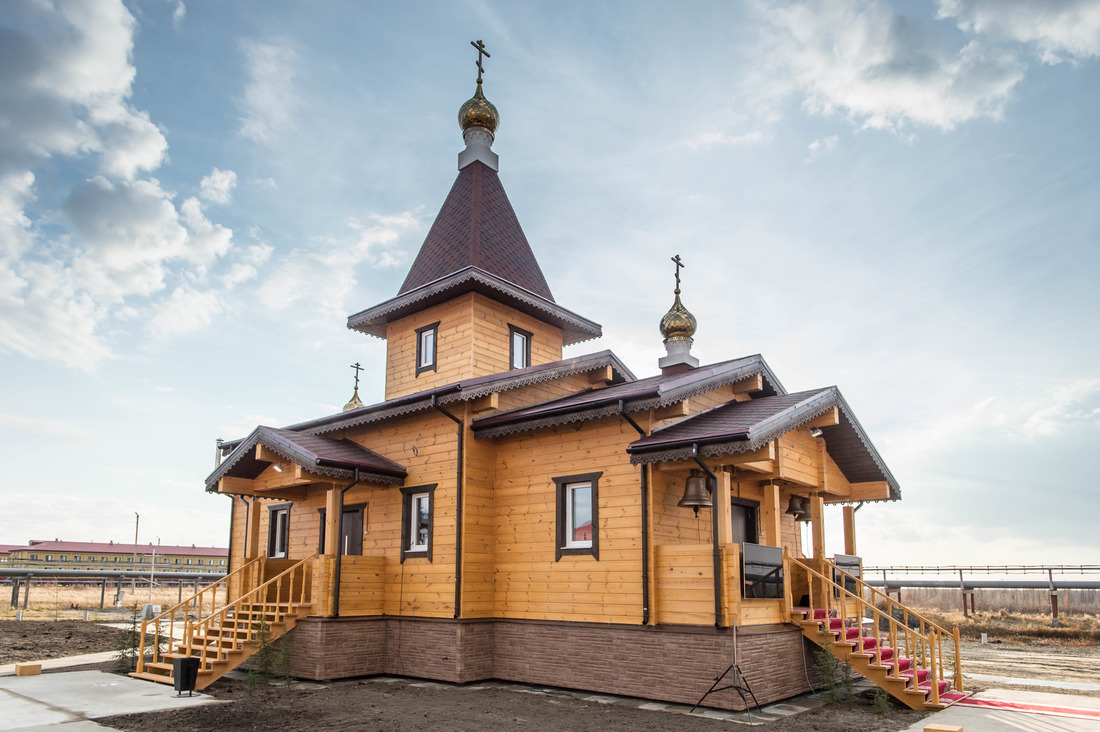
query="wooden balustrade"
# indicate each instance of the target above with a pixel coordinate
(291, 586)
(911, 635)
(193, 608)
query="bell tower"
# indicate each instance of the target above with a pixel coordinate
(475, 301)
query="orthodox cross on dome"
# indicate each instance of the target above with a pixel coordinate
(354, 402)
(480, 52)
(679, 264)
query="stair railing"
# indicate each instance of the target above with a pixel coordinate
(941, 632)
(922, 644)
(294, 584)
(192, 608)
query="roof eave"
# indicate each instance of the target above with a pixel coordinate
(576, 328)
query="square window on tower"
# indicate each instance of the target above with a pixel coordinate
(520, 347)
(426, 340)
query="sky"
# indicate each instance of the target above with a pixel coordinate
(896, 198)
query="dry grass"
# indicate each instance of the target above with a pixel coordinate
(52, 601)
(1020, 616)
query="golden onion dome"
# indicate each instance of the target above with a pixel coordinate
(478, 112)
(678, 324)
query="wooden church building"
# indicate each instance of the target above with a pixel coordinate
(510, 513)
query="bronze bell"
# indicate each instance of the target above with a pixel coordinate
(804, 512)
(695, 492)
(794, 506)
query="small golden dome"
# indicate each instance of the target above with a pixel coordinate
(478, 112)
(354, 402)
(678, 324)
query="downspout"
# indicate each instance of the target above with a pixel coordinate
(645, 520)
(714, 536)
(458, 500)
(339, 547)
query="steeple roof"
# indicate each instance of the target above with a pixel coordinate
(477, 227)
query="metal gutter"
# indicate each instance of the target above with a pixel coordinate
(339, 548)
(714, 536)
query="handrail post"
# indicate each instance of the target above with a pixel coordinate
(141, 647)
(958, 660)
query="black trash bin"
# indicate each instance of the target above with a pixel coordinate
(185, 672)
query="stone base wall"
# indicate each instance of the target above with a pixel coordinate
(668, 664)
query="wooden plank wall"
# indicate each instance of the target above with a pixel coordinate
(362, 589)
(473, 339)
(491, 344)
(683, 575)
(479, 518)
(798, 458)
(454, 345)
(541, 392)
(530, 584)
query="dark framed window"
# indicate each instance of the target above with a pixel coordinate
(427, 342)
(578, 517)
(417, 512)
(353, 526)
(278, 531)
(519, 348)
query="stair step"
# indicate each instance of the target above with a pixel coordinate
(152, 677)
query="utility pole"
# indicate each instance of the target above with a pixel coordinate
(153, 571)
(133, 578)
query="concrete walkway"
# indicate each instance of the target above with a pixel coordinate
(997, 710)
(9, 668)
(71, 700)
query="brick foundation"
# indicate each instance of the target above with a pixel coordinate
(668, 664)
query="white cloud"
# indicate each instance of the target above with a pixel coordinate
(41, 425)
(881, 70)
(324, 275)
(185, 311)
(270, 98)
(247, 264)
(1068, 29)
(821, 147)
(714, 139)
(179, 13)
(218, 186)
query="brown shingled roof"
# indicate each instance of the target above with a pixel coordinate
(477, 227)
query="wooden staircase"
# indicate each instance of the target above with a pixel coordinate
(889, 644)
(225, 637)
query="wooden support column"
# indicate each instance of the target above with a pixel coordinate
(722, 505)
(327, 566)
(770, 516)
(850, 530)
(332, 521)
(823, 595)
(252, 531)
(817, 525)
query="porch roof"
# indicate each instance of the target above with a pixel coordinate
(655, 391)
(323, 455)
(746, 426)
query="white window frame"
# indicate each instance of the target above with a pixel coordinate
(570, 519)
(427, 348)
(519, 347)
(415, 543)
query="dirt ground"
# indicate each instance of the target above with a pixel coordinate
(403, 705)
(36, 641)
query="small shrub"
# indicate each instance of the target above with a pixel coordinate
(837, 679)
(881, 703)
(129, 641)
(270, 662)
